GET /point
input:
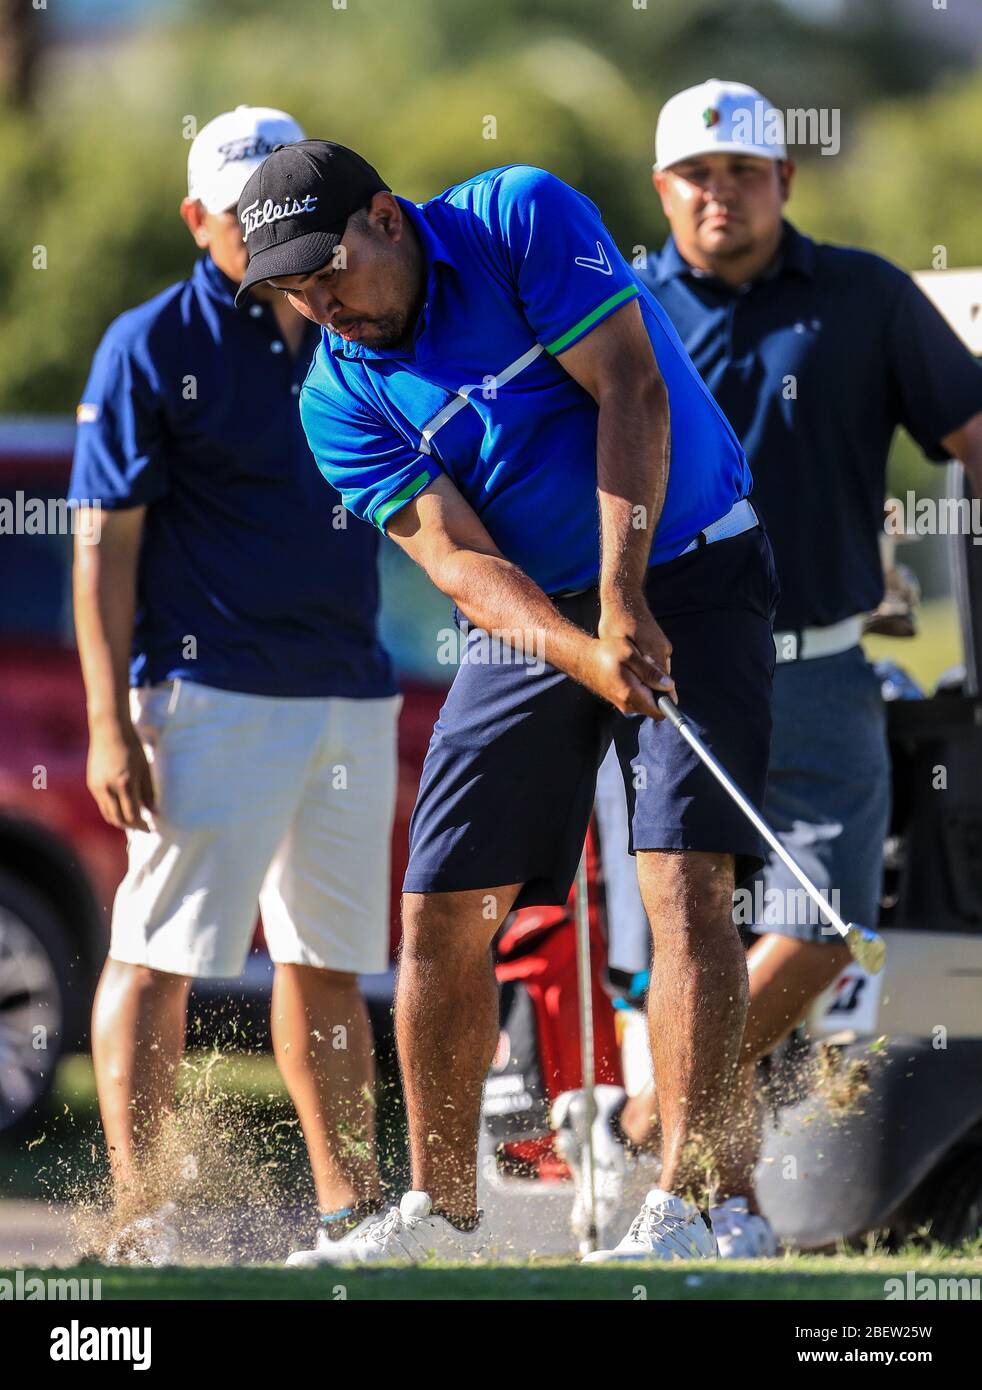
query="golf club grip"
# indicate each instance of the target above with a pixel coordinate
(671, 711)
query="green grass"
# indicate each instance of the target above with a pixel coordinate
(69, 1153)
(255, 1075)
(66, 1155)
(800, 1277)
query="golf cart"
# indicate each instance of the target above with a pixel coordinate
(906, 1155)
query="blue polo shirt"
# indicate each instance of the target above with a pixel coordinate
(519, 267)
(815, 364)
(252, 577)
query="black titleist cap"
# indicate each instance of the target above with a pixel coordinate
(294, 209)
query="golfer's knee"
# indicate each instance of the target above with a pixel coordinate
(318, 977)
(453, 926)
(687, 891)
(141, 982)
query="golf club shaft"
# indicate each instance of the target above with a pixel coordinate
(676, 718)
(585, 993)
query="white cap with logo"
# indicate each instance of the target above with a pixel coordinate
(225, 152)
(718, 118)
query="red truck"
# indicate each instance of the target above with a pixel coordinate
(59, 861)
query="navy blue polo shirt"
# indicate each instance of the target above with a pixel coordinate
(191, 410)
(815, 364)
(519, 268)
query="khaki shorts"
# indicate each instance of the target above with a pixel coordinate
(285, 805)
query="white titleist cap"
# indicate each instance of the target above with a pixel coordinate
(718, 118)
(226, 151)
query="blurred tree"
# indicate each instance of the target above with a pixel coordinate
(432, 91)
(909, 184)
(23, 30)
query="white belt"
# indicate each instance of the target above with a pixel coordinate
(818, 641)
(741, 517)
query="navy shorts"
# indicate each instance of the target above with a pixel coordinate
(828, 796)
(508, 783)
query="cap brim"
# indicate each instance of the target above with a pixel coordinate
(724, 147)
(300, 256)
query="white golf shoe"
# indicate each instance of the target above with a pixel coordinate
(149, 1240)
(568, 1119)
(332, 1250)
(412, 1233)
(740, 1233)
(666, 1228)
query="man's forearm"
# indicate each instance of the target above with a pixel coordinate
(973, 468)
(965, 445)
(497, 596)
(632, 478)
(105, 602)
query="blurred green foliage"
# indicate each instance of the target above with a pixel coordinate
(95, 173)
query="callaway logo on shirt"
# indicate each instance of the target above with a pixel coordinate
(255, 216)
(598, 262)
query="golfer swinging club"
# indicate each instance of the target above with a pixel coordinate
(494, 392)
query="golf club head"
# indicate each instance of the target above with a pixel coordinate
(868, 949)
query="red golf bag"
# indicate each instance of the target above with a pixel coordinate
(538, 1052)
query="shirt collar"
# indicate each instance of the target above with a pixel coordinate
(798, 252)
(214, 282)
(435, 253)
(216, 285)
(434, 248)
(796, 256)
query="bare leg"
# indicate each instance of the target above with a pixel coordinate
(639, 1119)
(786, 975)
(322, 1041)
(447, 1030)
(738, 1157)
(697, 1006)
(138, 1023)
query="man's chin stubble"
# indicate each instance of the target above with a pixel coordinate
(727, 250)
(384, 336)
(388, 340)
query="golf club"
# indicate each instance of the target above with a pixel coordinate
(867, 948)
(588, 1240)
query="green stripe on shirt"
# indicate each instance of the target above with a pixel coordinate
(392, 504)
(628, 292)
